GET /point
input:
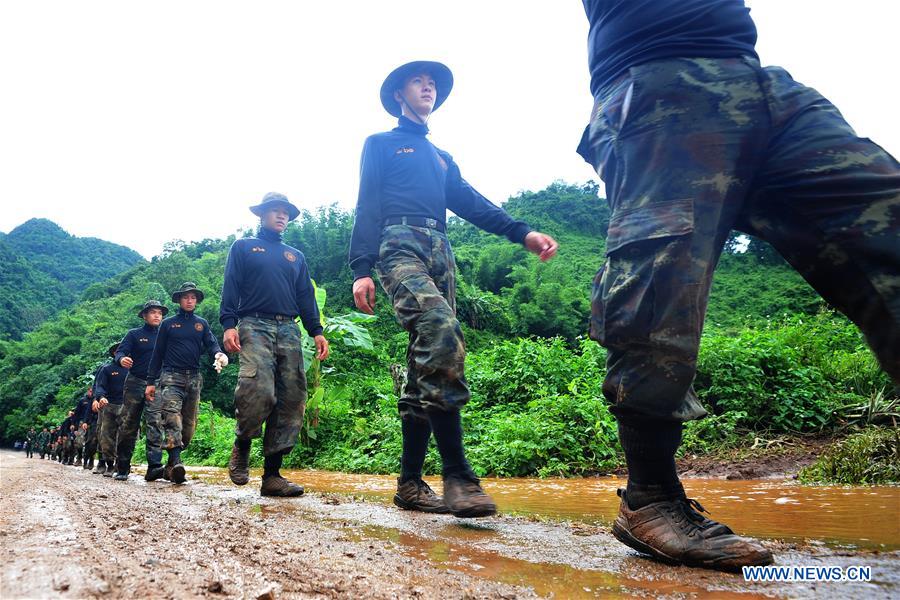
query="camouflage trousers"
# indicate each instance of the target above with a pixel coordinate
(418, 273)
(130, 417)
(109, 430)
(91, 440)
(271, 386)
(172, 416)
(692, 148)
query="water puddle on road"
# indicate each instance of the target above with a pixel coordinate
(866, 518)
(546, 579)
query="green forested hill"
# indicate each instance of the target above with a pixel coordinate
(774, 358)
(44, 269)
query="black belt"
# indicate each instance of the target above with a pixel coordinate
(416, 222)
(270, 317)
(181, 371)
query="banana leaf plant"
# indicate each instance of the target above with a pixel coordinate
(346, 330)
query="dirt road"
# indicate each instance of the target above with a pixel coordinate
(70, 534)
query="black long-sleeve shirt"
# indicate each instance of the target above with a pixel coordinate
(180, 344)
(110, 383)
(402, 174)
(83, 410)
(626, 33)
(138, 343)
(264, 275)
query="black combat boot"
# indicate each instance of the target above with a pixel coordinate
(124, 468)
(101, 467)
(154, 466)
(176, 472)
(110, 468)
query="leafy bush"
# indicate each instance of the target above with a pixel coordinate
(869, 457)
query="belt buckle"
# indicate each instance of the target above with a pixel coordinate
(431, 223)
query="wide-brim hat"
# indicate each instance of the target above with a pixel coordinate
(273, 199)
(153, 304)
(187, 286)
(443, 80)
(112, 349)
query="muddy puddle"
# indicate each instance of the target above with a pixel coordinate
(864, 518)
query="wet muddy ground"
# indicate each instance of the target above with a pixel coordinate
(70, 534)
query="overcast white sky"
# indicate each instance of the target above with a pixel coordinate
(170, 118)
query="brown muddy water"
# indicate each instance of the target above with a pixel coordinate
(558, 542)
(865, 518)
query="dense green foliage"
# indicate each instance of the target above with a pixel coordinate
(44, 269)
(870, 456)
(773, 359)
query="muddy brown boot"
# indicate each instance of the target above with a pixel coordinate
(415, 494)
(239, 466)
(276, 485)
(675, 533)
(465, 498)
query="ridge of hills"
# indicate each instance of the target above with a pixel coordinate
(44, 269)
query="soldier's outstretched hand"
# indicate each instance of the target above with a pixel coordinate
(364, 294)
(541, 244)
(321, 347)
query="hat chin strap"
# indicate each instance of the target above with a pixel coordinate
(412, 110)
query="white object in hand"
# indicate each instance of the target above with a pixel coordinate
(220, 362)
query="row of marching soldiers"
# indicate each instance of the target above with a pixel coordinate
(155, 373)
(106, 419)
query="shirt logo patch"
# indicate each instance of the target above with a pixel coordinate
(145, 340)
(290, 256)
(198, 326)
(114, 373)
(405, 151)
(257, 249)
(176, 326)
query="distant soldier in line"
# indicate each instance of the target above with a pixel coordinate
(109, 392)
(694, 138)
(65, 431)
(90, 417)
(30, 439)
(406, 187)
(267, 285)
(175, 369)
(43, 441)
(80, 435)
(134, 353)
(70, 445)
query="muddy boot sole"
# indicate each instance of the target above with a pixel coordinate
(178, 474)
(407, 505)
(475, 512)
(761, 558)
